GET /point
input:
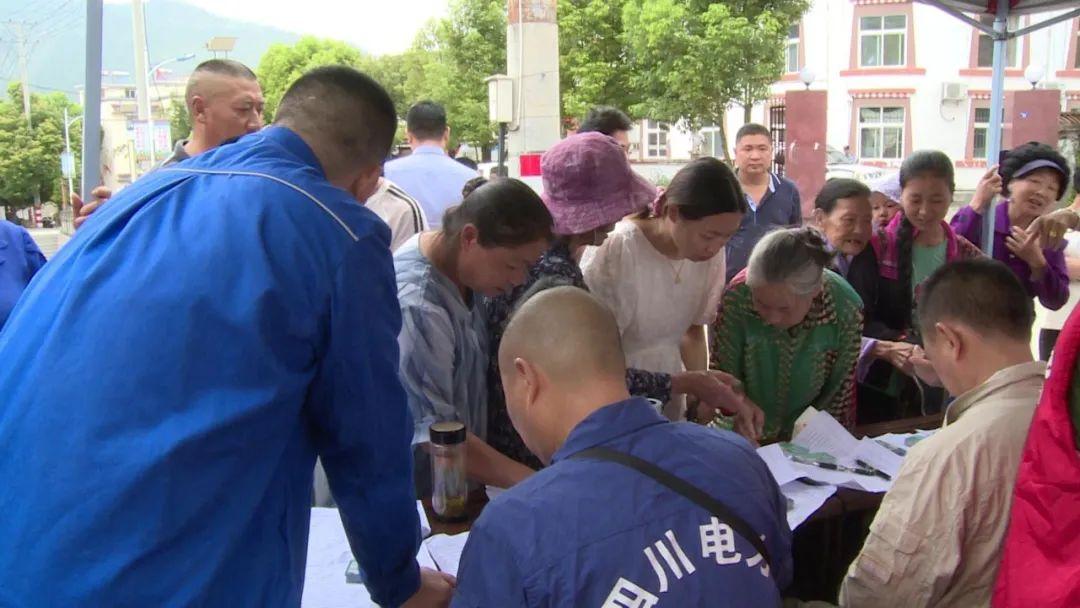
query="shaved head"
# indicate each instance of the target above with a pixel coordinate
(224, 101)
(214, 77)
(560, 360)
(568, 334)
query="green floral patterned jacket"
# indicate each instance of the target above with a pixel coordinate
(784, 371)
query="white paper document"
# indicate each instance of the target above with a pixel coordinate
(806, 498)
(823, 434)
(328, 558)
(446, 550)
(425, 525)
(779, 464)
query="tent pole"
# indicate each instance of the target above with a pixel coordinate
(91, 142)
(997, 99)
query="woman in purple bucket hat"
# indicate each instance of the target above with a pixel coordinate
(589, 186)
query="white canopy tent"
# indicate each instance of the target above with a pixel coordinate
(1001, 35)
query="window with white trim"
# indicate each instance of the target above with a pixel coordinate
(656, 139)
(985, 54)
(881, 132)
(883, 41)
(980, 132)
(791, 50)
(711, 145)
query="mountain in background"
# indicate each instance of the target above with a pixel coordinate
(174, 28)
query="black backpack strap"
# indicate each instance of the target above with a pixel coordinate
(680, 486)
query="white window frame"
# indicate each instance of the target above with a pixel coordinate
(977, 126)
(880, 126)
(659, 150)
(791, 50)
(877, 37)
(710, 142)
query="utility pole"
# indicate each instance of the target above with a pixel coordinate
(142, 91)
(23, 45)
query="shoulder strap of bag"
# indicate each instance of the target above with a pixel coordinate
(683, 487)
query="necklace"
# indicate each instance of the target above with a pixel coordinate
(678, 270)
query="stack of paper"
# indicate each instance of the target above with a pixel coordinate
(446, 551)
(331, 570)
(819, 437)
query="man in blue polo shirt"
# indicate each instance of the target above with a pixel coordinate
(588, 532)
(170, 377)
(774, 201)
(428, 174)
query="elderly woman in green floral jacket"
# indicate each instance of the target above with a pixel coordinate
(791, 330)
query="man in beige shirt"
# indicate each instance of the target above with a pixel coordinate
(937, 538)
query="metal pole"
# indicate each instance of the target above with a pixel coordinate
(997, 99)
(67, 150)
(142, 89)
(91, 156)
(24, 67)
(502, 149)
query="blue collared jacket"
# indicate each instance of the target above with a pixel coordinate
(20, 259)
(169, 377)
(594, 533)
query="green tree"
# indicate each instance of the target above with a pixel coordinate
(282, 64)
(692, 59)
(592, 57)
(30, 155)
(179, 120)
(449, 61)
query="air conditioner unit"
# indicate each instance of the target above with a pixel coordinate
(953, 91)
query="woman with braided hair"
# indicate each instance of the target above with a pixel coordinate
(918, 240)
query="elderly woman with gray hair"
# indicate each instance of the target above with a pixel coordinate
(790, 330)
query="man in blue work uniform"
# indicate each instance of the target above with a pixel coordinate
(170, 377)
(590, 532)
(774, 201)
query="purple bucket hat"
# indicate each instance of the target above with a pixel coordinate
(588, 183)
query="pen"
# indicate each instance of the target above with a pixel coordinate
(892, 448)
(869, 472)
(878, 472)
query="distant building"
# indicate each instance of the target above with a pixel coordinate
(900, 76)
(125, 145)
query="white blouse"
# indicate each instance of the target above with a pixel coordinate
(654, 299)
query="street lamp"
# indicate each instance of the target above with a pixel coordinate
(1033, 74)
(807, 76)
(67, 160)
(149, 116)
(501, 111)
(221, 44)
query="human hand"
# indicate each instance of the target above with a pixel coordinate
(731, 381)
(1051, 228)
(898, 354)
(1025, 245)
(435, 590)
(923, 369)
(710, 389)
(989, 186)
(750, 421)
(82, 211)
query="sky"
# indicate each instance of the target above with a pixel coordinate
(376, 26)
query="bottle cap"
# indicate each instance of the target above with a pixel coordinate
(447, 433)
